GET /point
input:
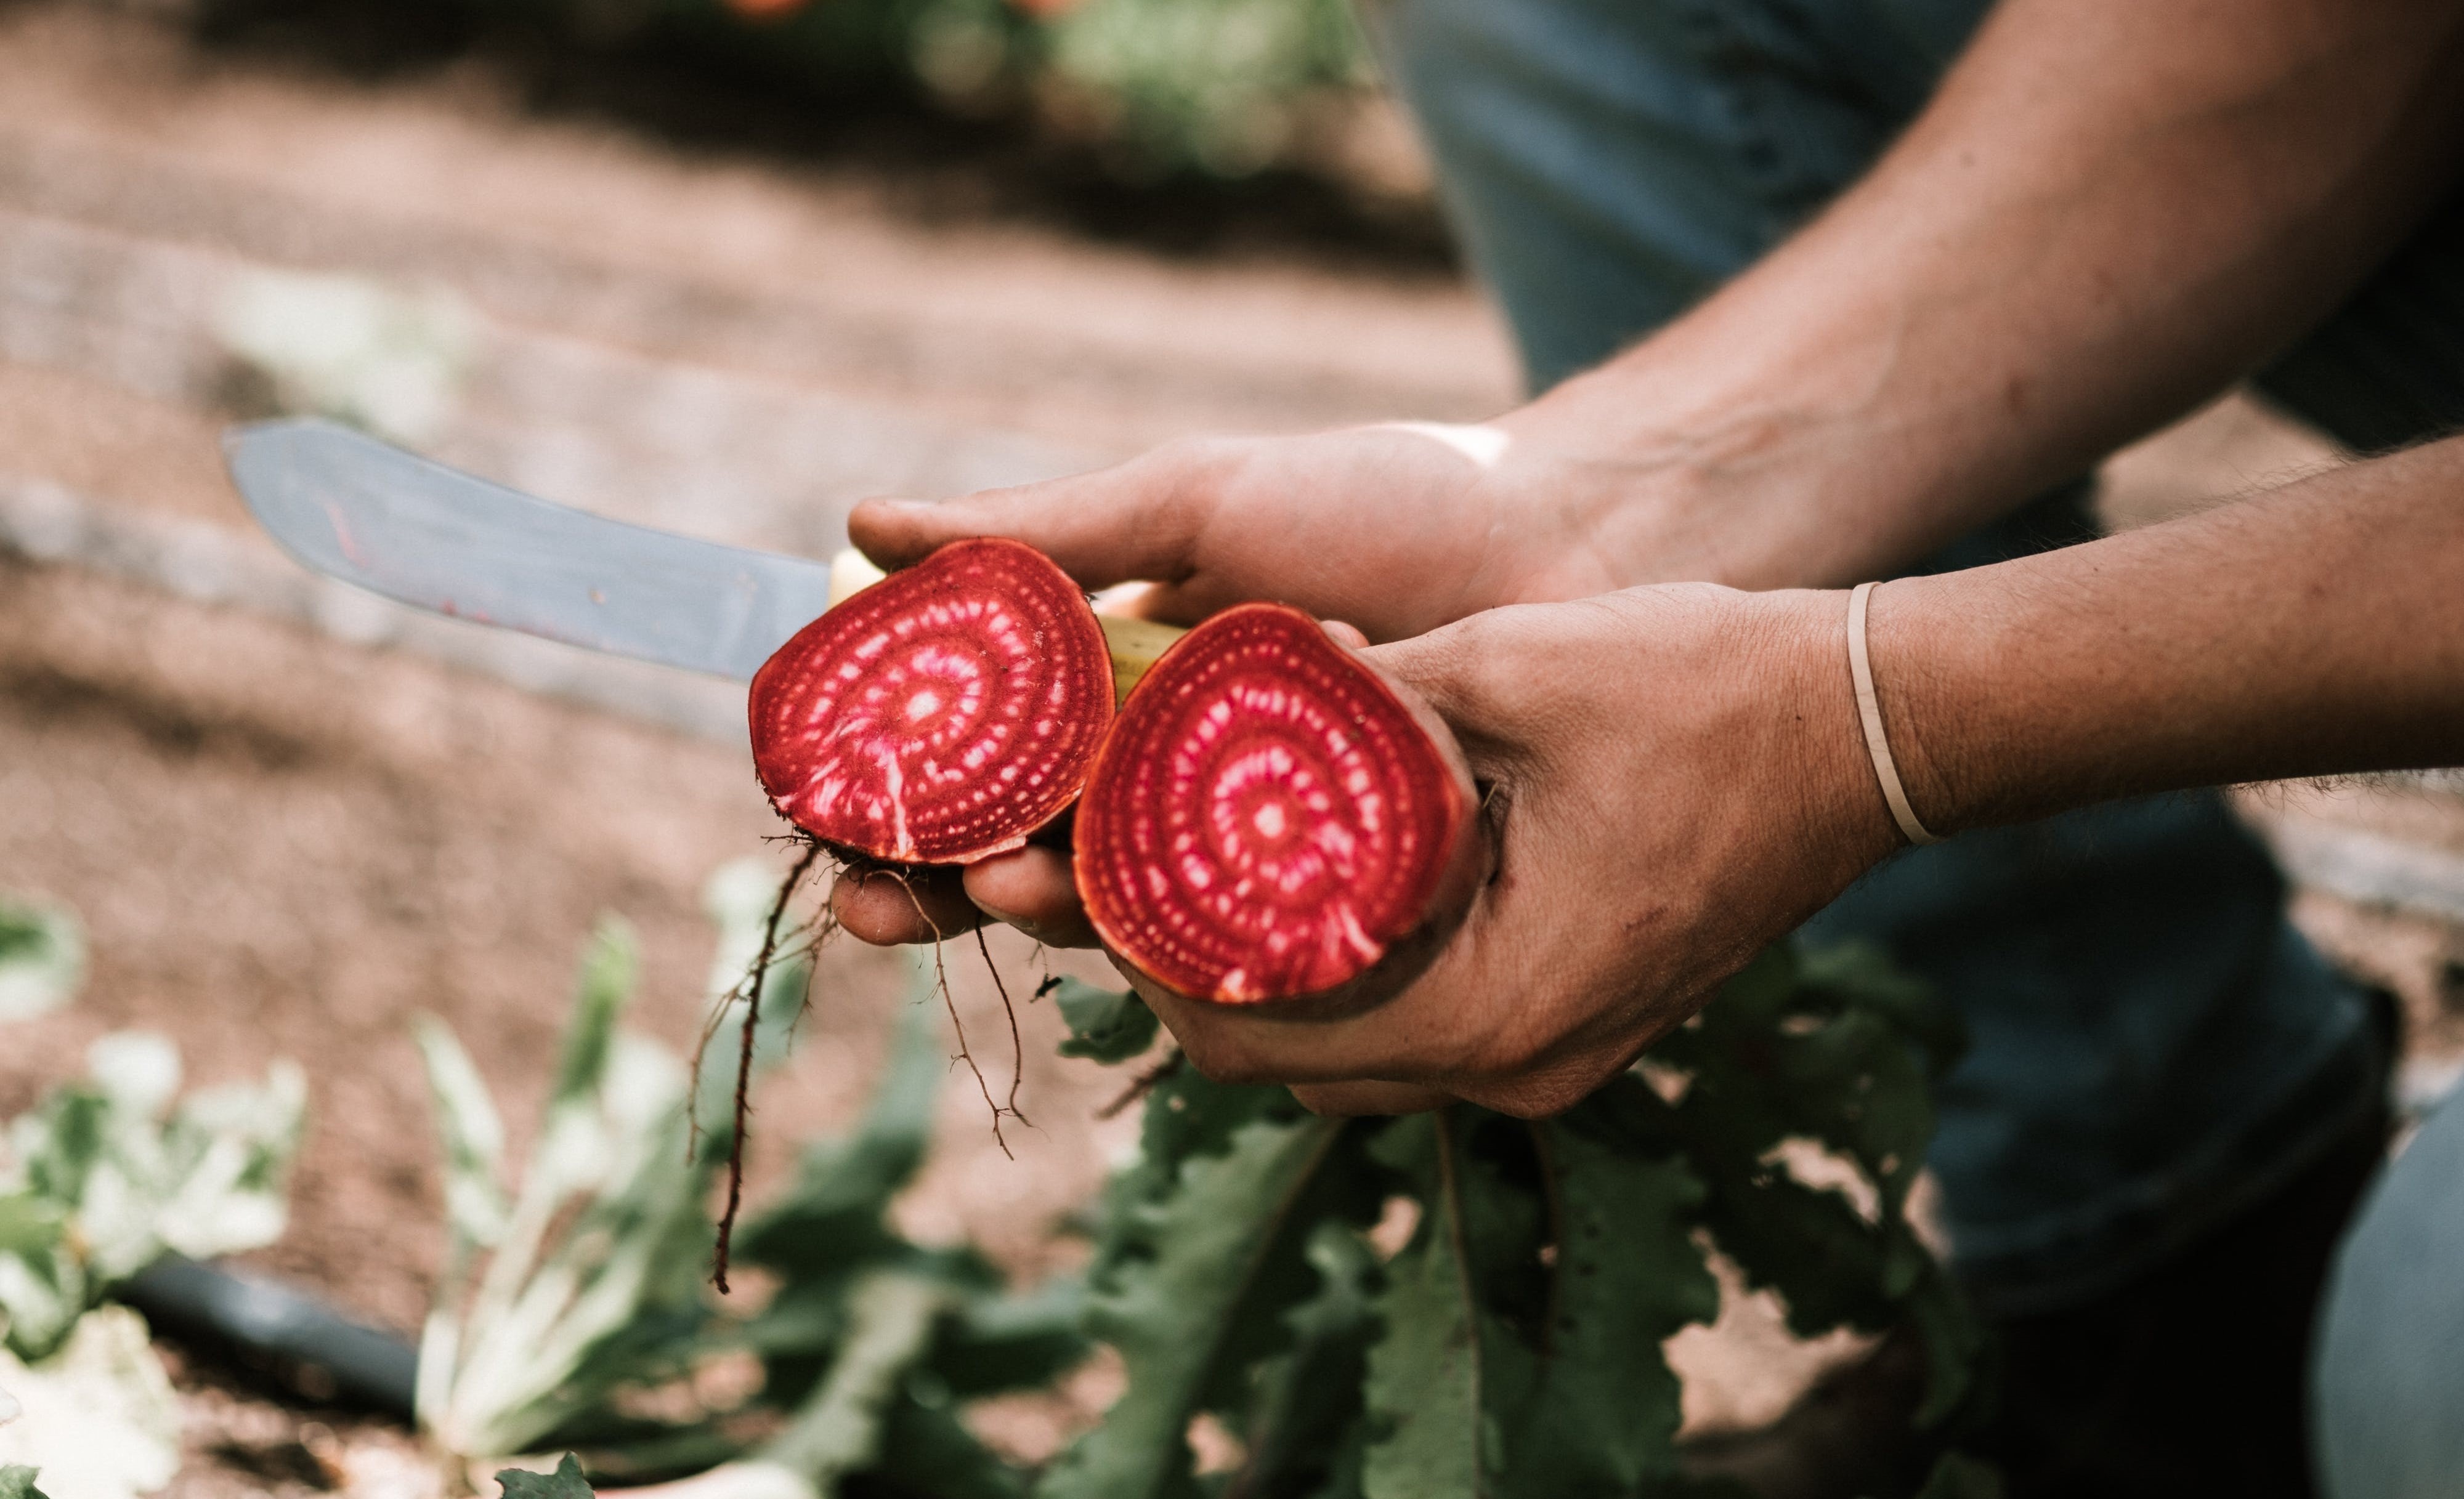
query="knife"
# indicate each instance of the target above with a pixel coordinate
(365, 511)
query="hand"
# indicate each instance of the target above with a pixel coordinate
(1395, 529)
(1335, 522)
(1675, 777)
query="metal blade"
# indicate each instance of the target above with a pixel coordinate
(355, 509)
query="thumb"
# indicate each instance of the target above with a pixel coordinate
(1135, 521)
(1439, 672)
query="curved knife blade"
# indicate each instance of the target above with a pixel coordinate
(354, 508)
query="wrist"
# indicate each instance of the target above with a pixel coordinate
(1677, 465)
(1820, 770)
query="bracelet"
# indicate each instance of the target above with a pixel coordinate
(1869, 711)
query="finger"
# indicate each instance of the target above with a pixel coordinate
(1032, 890)
(1356, 1100)
(1346, 635)
(1139, 519)
(1437, 669)
(891, 906)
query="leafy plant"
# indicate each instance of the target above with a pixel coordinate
(16, 1481)
(588, 1323)
(565, 1482)
(42, 957)
(96, 1182)
(601, 1243)
(101, 1420)
(1215, 87)
(105, 1174)
(1512, 1345)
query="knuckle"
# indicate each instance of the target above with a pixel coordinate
(1221, 1060)
(1512, 1055)
(1544, 1095)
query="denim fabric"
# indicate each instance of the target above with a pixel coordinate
(2152, 1045)
(2391, 1337)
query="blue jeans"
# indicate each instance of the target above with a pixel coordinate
(2390, 1391)
(2152, 1047)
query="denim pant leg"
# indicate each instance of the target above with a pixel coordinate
(2152, 1045)
(2389, 1398)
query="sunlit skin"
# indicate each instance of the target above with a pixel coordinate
(2110, 212)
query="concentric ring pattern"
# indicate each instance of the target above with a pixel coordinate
(1265, 819)
(940, 715)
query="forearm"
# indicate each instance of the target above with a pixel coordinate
(2110, 210)
(2315, 631)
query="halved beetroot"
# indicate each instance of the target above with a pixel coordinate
(942, 715)
(1269, 820)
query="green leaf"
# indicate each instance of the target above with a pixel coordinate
(138, 1071)
(1104, 1027)
(42, 957)
(1188, 1117)
(565, 1482)
(838, 1429)
(1192, 1279)
(29, 1225)
(1954, 1341)
(1308, 1428)
(738, 898)
(1958, 1476)
(926, 1450)
(611, 963)
(472, 1134)
(18, 1483)
(828, 1220)
(1862, 973)
(1423, 1385)
(993, 1343)
(100, 1416)
(1601, 1412)
(1844, 1063)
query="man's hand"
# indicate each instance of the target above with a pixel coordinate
(1471, 517)
(1474, 516)
(1675, 777)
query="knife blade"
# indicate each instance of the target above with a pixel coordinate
(353, 508)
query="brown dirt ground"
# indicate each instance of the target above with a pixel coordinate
(285, 844)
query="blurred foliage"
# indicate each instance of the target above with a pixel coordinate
(1510, 1344)
(565, 1482)
(42, 957)
(99, 1179)
(1449, 1304)
(101, 1419)
(386, 358)
(589, 1329)
(1220, 88)
(104, 1175)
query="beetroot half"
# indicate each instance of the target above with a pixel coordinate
(940, 715)
(1270, 821)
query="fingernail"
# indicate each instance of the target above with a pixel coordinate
(1009, 919)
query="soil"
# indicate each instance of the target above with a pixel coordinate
(286, 844)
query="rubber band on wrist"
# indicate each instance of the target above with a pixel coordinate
(1869, 712)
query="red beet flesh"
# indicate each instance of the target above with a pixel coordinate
(942, 715)
(1270, 821)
